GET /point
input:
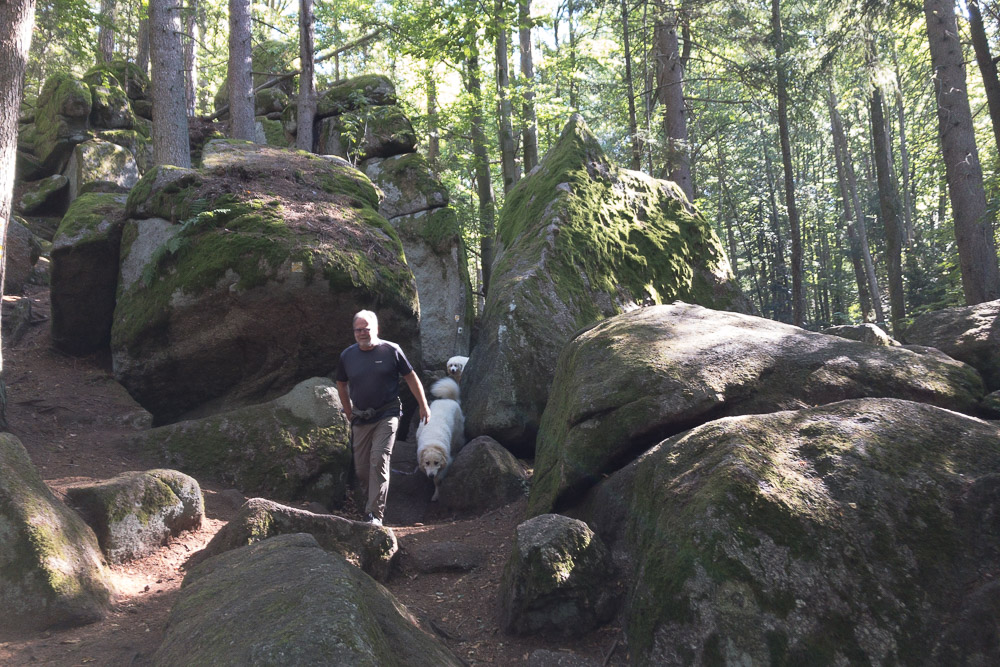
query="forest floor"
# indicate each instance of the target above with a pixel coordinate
(75, 422)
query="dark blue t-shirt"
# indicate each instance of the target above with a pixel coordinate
(373, 375)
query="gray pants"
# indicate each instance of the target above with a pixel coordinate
(372, 450)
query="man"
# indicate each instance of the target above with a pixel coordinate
(368, 381)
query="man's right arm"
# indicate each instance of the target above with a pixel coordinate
(345, 398)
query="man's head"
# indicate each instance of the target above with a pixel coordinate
(366, 329)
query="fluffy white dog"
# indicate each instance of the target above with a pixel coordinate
(455, 367)
(444, 433)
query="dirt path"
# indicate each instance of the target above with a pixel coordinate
(75, 422)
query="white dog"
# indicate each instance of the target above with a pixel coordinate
(442, 434)
(455, 367)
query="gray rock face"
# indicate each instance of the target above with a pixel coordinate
(51, 570)
(45, 197)
(483, 477)
(100, 166)
(84, 272)
(632, 380)
(558, 579)
(968, 333)
(369, 132)
(286, 601)
(842, 534)
(865, 333)
(22, 252)
(135, 513)
(251, 288)
(61, 123)
(574, 248)
(295, 447)
(408, 185)
(368, 547)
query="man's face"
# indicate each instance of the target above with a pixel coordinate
(365, 333)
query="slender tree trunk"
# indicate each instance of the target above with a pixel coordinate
(633, 127)
(779, 282)
(307, 80)
(106, 32)
(670, 87)
(240, 78)
(191, 57)
(433, 131)
(529, 135)
(508, 147)
(574, 101)
(170, 127)
(798, 297)
(987, 66)
(484, 183)
(142, 47)
(973, 226)
(904, 156)
(18, 18)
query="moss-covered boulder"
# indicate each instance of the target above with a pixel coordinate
(100, 166)
(84, 272)
(270, 100)
(136, 141)
(49, 196)
(967, 333)
(851, 533)
(559, 579)
(287, 601)
(369, 132)
(269, 59)
(407, 183)
(295, 447)
(51, 570)
(110, 108)
(132, 79)
(22, 252)
(371, 548)
(483, 477)
(272, 133)
(991, 405)
(368, 90)
(579, 240)
(252, 287)
(61, 122)
(632, 380)
(135, 513)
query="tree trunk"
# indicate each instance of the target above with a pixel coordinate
(633, 127)
(798, 298)
(779, 282)
(18, 18)
(306, 111)
(106, 32)
(670, 92)
(170, 127)
(508, 147)
(904, 157)
(987, 66)
(433, 131)
(973, 227)
(240, 78)
(191, 57)
(574, 101)
(484, 183)
(142, 47)
(529, 135)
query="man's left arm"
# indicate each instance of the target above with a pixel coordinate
(417, 388)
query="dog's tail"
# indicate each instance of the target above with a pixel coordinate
(445, 388)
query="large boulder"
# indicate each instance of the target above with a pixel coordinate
(559, 579)
(632, 380)
(483, 477)
(110, 107)
(84, 272)
(287, 601)
(249, 285)
(371, 548)
(967, 333)
(61, 122)
(101, 166)
(369, 132)
(136, 513)
(45, 197)
(579, 240)
(407, 183)
(51, 570)
(22, 252)
(858, 532)
(295, 447)
(355, 93)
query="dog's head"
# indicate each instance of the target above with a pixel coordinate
(455, 366)
(432, 462)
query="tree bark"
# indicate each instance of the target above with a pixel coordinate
(973, 227)
(779, 281)
(170, 127)
(106, 32)
(904, 157)
(798, 298)
(240, 77)
(433, 131)
(987, 66)
(670, 92)
(484, 182)
(508, 147)
(142, 46)
(529, 135)
(191, 57)
(306, 110)
(18, 18)
(633, 126)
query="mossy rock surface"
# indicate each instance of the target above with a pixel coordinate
(84, 272)
(407, 183)
(483, 477)
(272, 133)
(296, 447)
(631, 380)
(130, 76)
(45, 197)
(51, 570)
(62, 120)
(287, 601)
(371, 548)
(369, 132)
(967, 333)
(268, 254)
(135, 513)
(355, 93)
(101, 166)
(843, 534)
(579, 240)
(110, 108)
(22, 253)
(137, 141)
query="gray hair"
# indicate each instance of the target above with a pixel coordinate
(368, 316)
